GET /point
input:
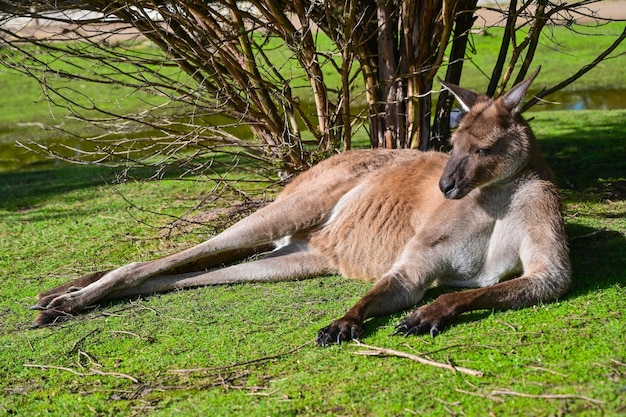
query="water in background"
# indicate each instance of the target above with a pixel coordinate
(13, 158)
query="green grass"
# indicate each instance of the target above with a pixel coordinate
(560, 53)
(58, 223)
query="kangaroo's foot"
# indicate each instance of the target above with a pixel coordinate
(344, 329)
(429, 319)
(76, 283)
(62, 301)
(58, 307)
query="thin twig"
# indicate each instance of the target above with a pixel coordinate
(61, 368)
(126, 332)
(541, 368)
(377, 351)
(476, 394)
(592, 234)
(432, 352)
(237, 364)
(546, 396)
(114, 374)
(146, 338)
(92, 371)
(79, 341)
(577, 75)
(617, 362)
(30, 344)
(89, 359)
(509, 325)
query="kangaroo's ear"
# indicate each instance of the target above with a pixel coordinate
(466, 98)
(513, 98)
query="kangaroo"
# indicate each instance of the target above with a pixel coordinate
(486, 216)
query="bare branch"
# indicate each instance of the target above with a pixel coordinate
(582, 71)
(283, 84)
(545, 396)
(377, 351)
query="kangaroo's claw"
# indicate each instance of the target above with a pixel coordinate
(344, 329)
(46, 317)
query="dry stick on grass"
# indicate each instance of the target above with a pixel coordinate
(114, 374)
(476, 394)
(148, 339)
(541, 368)
(92, 371)
(79, 341)
(615, 361)
(546, 396)
(378, 351)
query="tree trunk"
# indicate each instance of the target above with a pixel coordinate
(462, 25)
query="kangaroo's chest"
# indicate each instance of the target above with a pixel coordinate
(484, 256)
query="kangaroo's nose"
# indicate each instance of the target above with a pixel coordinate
(447, 186)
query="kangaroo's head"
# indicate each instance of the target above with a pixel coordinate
(491, 143)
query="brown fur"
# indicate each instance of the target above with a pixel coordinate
(485, 216)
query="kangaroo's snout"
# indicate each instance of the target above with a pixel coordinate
(448, 187)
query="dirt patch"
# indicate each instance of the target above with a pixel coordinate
(491, 13)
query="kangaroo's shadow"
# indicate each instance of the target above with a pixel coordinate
(598, 258)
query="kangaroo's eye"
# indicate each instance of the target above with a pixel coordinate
(483, 151)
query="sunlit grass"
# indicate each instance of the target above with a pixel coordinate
(247, 349)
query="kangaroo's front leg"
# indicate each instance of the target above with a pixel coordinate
(546, 277)
(400, 288)
(388, 296)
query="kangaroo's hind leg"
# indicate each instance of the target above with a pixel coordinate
(293, 213)
(282, 265)
(285, 264)
(203, 264)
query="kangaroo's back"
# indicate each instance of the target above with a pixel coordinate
(372, 223)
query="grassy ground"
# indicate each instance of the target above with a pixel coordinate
(560, 53)
(247, 349)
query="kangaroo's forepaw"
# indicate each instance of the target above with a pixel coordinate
(407, 329)
(427, 319)
(344, 329)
